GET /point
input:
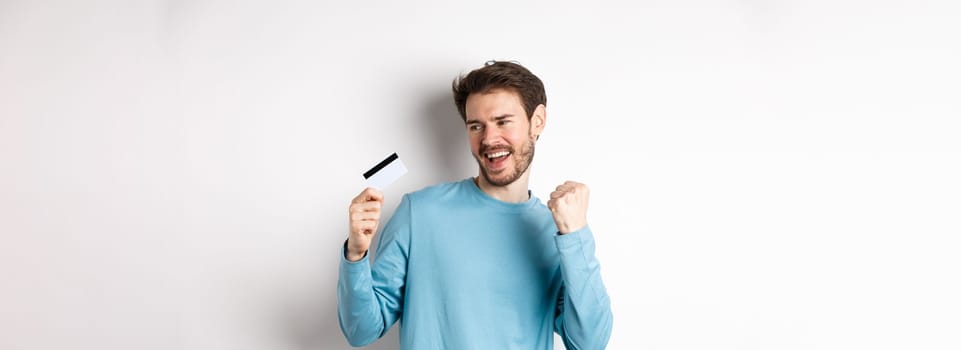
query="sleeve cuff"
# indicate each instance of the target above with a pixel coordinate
(575, 238)
(354, 273)
(576, 248)
(343, 254)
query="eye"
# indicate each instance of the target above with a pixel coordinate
(474, 127)
(503, 122)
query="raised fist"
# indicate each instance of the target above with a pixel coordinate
(568, 204)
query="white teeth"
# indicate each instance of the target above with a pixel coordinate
(498, 154)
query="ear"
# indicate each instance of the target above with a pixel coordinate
(538, 120)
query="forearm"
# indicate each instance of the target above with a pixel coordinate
(586, 318)
(357, 308)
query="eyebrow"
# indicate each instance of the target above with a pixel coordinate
(497, 118)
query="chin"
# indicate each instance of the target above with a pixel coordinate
(506, 176)
(501, 179)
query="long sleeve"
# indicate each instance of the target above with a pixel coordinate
(370, 298)
(583, 317)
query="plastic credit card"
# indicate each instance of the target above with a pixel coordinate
(386, 172)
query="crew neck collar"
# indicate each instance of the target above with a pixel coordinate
(487, 199)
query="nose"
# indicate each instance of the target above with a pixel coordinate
(489, 136)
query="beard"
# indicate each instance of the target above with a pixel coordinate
(522, 161)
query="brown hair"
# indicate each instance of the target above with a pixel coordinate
(500, 75)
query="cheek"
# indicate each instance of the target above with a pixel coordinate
(518, 137)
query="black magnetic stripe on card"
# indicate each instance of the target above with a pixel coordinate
(379, 166)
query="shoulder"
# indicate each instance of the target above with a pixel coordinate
(438, 191)
(434, 201)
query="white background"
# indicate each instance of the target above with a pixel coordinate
(764, 174)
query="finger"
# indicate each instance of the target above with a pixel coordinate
(365, 206)
(557, 194)
(365, 227)
(579, 187)
(572, 183)
(364, 216)
(374, 194)
(556, 202)
(571, 188)
(369, 194)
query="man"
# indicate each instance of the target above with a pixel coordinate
(479, 263)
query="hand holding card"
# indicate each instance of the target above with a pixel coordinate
(364, 219)
(365, 208)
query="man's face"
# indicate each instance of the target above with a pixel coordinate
(501, 136)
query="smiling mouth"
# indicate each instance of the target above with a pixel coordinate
(496, 161)
(495, 156)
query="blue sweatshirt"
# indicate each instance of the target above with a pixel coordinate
(462, 270)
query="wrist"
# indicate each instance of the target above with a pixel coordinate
(565, 229)
(353, 255)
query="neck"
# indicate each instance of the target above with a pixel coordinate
(516, 192)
